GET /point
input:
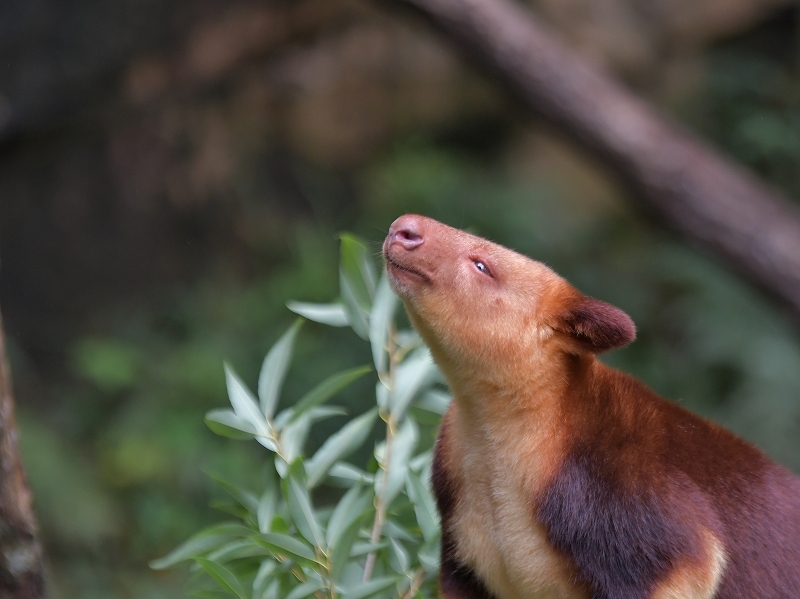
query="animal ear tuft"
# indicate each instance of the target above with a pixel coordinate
(598, 325)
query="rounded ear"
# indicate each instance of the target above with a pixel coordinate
(597, 325)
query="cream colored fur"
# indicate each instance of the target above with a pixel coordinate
(493, 520)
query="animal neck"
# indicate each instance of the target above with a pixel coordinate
(516, 390)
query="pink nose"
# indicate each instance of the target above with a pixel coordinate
(406, 231)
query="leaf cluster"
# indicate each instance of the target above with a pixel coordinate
(381, 537)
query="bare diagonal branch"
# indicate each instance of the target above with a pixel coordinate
(676, 178)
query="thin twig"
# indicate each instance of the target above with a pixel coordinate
(391, 426)
(380, 507)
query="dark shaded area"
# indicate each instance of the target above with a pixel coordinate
(56, 56)
(21, 565)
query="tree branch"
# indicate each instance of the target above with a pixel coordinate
(675, 177)
(21, 570)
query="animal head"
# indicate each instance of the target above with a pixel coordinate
(480, 305)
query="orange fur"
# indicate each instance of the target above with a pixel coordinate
(559, 477)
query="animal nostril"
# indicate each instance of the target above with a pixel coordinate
(406, 232)
(408, 238)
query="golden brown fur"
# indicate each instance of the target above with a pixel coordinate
(558, 477)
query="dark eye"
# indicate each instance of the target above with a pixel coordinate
(482, 267)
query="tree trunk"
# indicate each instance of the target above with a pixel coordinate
(674, 176)
(21, 575)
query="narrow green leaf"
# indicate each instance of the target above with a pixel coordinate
(380, 455)
(293, 437)
(412, 374)
(236, 550)
(331, 314)
(279, 525)
(282, 418)
(286, 546)
(299, 501)
(227, 424)
(356, 263)
(234, 508)
(428, 556)
(351, 575)
(245, 498)
(340, 444)
(368, 271)
(348, 472)
(404, 443)
(360, 549)
(357, 315)
(323, 412)
(380, 320)
(326, 389)
(408, 340)
(263, 577)
(274, 368)
(268, 442)
(352, 506)
(224, 577)
(267, 505)
(305, 590)
(281, 467)
(393, 530)
(398, 556)
(243, 402)
(424, 506)
(231, 528)
(272, 590)
(382, 396)
(197, 545)
(316, 414)
(435, 401)
(340, 551)
(371, 588)
(421, 463)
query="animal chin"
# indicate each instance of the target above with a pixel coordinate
(404, 278)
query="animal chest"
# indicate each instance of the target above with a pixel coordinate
(496, 533)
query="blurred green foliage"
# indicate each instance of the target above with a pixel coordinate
(117, 464)
(749, 102)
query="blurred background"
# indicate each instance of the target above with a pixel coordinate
(172, 172)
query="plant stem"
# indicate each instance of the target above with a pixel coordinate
(415, 584)
(391, 427)
(329, 578)
(380, 506)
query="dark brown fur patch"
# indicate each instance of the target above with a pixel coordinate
(598, 325)
(645, 476)
(622, 540)
(457, 581)
(443, 489)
